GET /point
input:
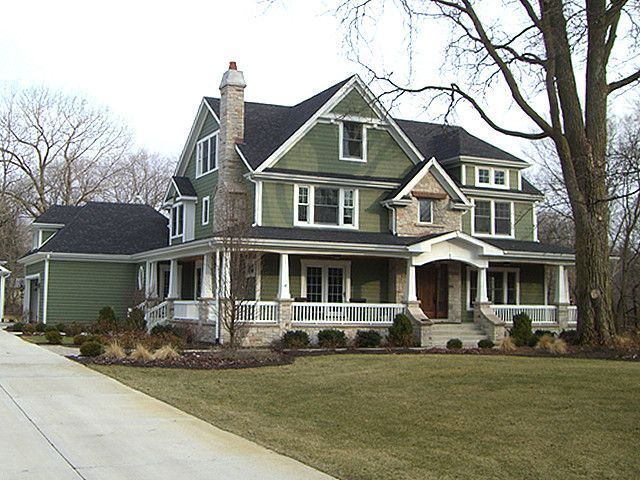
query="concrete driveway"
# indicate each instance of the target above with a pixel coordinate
(60, 420)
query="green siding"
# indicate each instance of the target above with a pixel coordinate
(78, 290)
(354, 104)
(531, 284)
(373, 216)
(523, 221)
(319, 152)
(277, 204)
(513, 179)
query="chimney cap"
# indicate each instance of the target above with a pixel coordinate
(233, 65)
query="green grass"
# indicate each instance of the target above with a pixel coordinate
(42, 340)
(423, 416)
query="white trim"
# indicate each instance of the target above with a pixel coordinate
(45, 291)
(345, 265)
(463, 174)
(242, 157)
(257, 198)
(27, 296)
(499, 194)
(521, 164)
(310, 222)
(199, 159)
(207, 200)
(535, 221)
(492, 218)
(473, 271)
(300, 178)
(341, 155)
(173, 235)
(492, 177)
(46, 226)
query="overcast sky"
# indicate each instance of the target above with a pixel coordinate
(151, 62)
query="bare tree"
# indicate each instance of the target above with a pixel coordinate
(553, 58)
(14, 242)
(57, 149)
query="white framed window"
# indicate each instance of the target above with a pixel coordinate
(353, 141)
(425, 210)
(322, 206)
(325, 281)
(207, 155)
(177, 220)
(492, 177)
(492, 217)
(205, 210)
(503, 286)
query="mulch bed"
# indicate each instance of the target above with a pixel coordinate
(202, 360)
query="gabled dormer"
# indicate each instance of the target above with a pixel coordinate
(45, 226)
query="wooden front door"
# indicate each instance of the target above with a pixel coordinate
(433, 290)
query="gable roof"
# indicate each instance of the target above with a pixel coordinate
(58, 214)
(109, 228)
(184, 187)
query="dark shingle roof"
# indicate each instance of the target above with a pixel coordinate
(527, 246)
(185, 187)
(61, 214)
(269, 126)
(110, 228)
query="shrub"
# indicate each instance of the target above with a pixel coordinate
(28, 328)
(295, 339)
(332, 338)
(16, 327)
(141, 354)
(401, 332)
(82, 338)
(53, 337)
(368, 339)
(61, 327)
(507, 345)
(521, 330)
(90, 349)
(454, 344)
(569, 336)
(533, 340)
(159, 329)
(51, 328)
(114, 351)
(166, 352)
(135, 320)
(539, 333)
(107, 321)
(485, 343)
(552, 344)
(40, 327)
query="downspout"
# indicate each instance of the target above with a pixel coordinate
(45, 294)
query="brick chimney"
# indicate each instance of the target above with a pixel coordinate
(230, 201)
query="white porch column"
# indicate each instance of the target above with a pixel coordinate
(225, 281)
(483, 296)
(207, 280)
(150, 277)
(218, 292)
(411, 282)
(2, 292)
(284, 292)
(562, 285)
(173, 280)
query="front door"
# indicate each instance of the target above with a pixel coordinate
(325, 284)
(34, 300)
(433, 290)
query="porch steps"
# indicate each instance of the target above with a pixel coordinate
(469, 333)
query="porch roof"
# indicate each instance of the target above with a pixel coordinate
(524, 246)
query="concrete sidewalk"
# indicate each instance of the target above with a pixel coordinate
(60, 420)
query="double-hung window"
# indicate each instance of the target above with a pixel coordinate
(331, 206)
(425, 210)
(353, 142)
(492, 177)
(177, 220)
(492, 217)
(205, 210)
(207, 155)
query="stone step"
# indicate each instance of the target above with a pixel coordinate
(468, 333)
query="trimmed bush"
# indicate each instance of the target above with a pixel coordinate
(29, 328)
(74, 329)
(40, 327)
(61, 327)
(454, 344)
(51, 328)
(533, 340)
(485, 343)
(53, 337)
(401, 332)
(331, 338)
(90, 349)
(368, 339)
(107, 321)
(521, 331)
(82, 338)
(16, 327)
(295, 339)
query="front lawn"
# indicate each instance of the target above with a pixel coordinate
(423, 416)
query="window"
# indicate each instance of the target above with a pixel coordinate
(352, 141)
(207, 155)
(315, 205)
(492, 217)
(325, 280)
(502, 286)
(205, 210)
(425, 213)
(177, 220)
(492, 177)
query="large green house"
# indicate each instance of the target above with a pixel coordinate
(352, 216)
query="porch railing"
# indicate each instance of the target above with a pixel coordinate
(346, 313)
(156, 315)
(258, 312)
(539, 314)
(573, 316)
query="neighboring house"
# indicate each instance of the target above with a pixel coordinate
(356, 216)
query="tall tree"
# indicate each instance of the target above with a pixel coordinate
(553, 59)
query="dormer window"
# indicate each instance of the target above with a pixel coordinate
(492, 177)
(425, 210)
(353, 142)
(177, 220)
(484, 176)
(207, 155)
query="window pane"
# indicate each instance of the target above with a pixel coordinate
(352, 139)
(314, 284)
(511, 288)
(482, 217)
(326, 205)
(205, 157)
(473, 284)
(503, 218)
(303, 213)
(496, 287)
(214, 160)
(483, 175)
(347, 207)
(425, 210)
(347, 217)
(335, 285)
(499, 177)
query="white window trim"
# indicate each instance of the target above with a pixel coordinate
(473, 271)
(27, 295)
(141, 278)
(207, 200)
(199, 172)
(325, 265)
(492, 174)
(430, 208)
(311, 205)
(173, 207)
(492, 221)
(342, 156)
